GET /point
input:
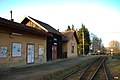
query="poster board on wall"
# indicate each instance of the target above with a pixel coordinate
(41, 50)
(3, 52)
(16, 49)
(42, 53)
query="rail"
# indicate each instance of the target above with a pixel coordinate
(78, 69)
(90, 72)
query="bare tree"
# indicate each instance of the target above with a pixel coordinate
(114, 45)
(96, 44)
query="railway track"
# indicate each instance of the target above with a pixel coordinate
(93, 71)
(101, 73)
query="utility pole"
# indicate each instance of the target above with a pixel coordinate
(83, 41)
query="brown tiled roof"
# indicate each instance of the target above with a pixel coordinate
(69, 34)
(45, 25)
(23, 28)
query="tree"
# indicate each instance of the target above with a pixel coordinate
(96, 44)
(114, 45)
(73, 27)
(103, 49)
(68, 28)
(84, 32)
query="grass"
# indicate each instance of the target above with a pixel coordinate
(113, 64)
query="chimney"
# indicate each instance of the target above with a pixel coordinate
(58, 29)
(11, 16)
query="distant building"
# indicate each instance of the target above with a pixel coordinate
(70, 44)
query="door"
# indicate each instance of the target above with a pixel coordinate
(54, 52)
(30, 53)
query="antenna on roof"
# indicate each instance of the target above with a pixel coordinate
(11, 15)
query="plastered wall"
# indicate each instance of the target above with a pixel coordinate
(8, 60)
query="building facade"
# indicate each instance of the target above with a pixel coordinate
(21, 45)
(70, 46)
(54, 43)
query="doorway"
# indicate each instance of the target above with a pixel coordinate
(30, 53)
(54, 52)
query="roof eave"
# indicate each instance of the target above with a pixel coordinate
(14, 25)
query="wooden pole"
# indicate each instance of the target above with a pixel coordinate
(83, 41)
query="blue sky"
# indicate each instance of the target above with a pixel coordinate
(14, 3)
(101, 17)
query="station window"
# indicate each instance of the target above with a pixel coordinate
(72, 49)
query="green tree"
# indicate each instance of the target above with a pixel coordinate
(68, 28)
(84, 31)
(73, 27)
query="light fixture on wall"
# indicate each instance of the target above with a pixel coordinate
(17, 34)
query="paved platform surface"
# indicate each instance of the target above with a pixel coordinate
(34, 72)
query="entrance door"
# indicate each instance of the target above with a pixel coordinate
(54, 52)
(30, 53)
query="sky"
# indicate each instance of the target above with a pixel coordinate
(101, 17)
